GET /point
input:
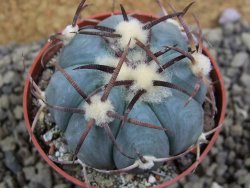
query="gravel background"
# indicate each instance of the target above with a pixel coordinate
(27, 20)
(227, 165)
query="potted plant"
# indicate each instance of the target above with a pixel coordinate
(126, 93)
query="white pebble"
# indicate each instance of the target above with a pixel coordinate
(229, 15)
(48, 136)
(57, 154)
(151, 179)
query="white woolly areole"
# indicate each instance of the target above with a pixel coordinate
(98, 110)
(125, 73)
(68, 33)
(130, 30)
(149, 163)
(144, 74)
(202, 65)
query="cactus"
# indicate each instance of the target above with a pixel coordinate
(128, 95)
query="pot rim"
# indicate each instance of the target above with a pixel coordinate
(219, 88)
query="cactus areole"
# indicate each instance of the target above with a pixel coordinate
(128, 90)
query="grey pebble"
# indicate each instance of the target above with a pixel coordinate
(216, 185)
(35, 185)
(236, 130)
(10, 182)
(4, 102)
(221, 169)
(12, 163)
(229, 15)
(18, 112)
(246, 39)
(8, 144)
(215, 36)
(229, 142)
(4, 61)
(11, 78)
(228, 30)
(3, 185)
(247, 162)
(1, 81)
(3, 115)
(61, 186)
(29, 172)
(240, 59)
(245, 80)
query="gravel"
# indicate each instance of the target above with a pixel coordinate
(227, 165)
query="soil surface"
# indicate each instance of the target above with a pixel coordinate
(26, 21)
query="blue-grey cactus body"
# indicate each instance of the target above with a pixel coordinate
(97, 149)
(140, 140)
(184, 123)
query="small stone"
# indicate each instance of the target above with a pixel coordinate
(29, 172)
(3, 185)
(63, 149)
(214, 151)
(151, 179)
(245, 80)
(246, 39)
(3, 115)
(8, 144)
(10, 182)
(236, 131)
(10, 77)
(15, 99)
(20, 178)
(244, 179)
(232, 72)
(231, 157)
(240, 59)
(57, 154)
(211, 169)
(219, 140)
(229, 15)
(221, 169)
(229, 142)
(237, 90)
(227, 82)
(11, 162)
(221, 157)
(215, 36)
(18, 112)
(1, 81)
(29, 160)
(46, 75)
(6, 60)
(4, 101)
(228, 30)
(240, 173)
(205, 163)
(247, 162)
(64, 157)
(48, 136)
(61, 186)
(216, 185)
(35, 185)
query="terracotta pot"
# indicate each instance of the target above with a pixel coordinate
(36, 70)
